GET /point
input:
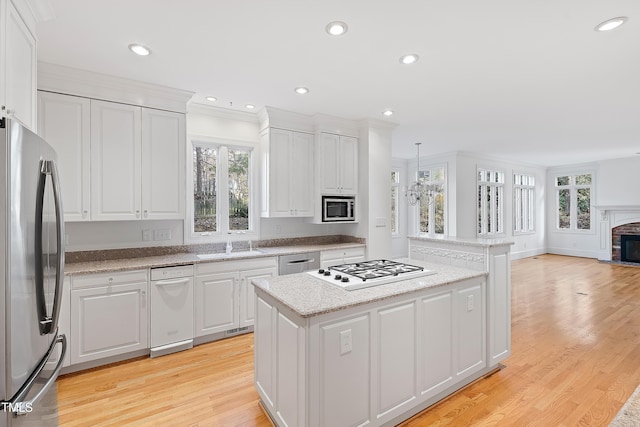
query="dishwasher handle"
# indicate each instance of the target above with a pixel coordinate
(172, 282)
(302, 261)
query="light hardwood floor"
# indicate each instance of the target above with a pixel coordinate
(575, 360)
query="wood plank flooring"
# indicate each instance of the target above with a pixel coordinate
(575, 360)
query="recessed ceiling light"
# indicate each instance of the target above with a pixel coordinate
(388, 113)
(211, 98)
(409, 59)
(139, 49)
(336, 28)
(250, 106)
(611, 24)
(301, 90)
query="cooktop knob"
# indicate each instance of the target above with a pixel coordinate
(321, 271)
(337, 277)
(327, 273)
(345, 279)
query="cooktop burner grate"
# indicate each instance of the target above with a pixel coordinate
(375, 269)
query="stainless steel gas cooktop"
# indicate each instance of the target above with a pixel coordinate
(364, 274)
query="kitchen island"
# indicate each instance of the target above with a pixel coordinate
(325, 356)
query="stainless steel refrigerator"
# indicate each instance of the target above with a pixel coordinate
(31, 275)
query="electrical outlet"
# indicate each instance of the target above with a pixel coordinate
(146, 235)
(346, 344)
(162, 234)
(381, 222)
(469, 302)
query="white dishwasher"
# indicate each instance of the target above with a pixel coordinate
(171, 309)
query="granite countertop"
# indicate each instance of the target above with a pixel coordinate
(485, 243)
(142, 262)
(308, 296)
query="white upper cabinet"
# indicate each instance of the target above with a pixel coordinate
(337, 164)
(17, 63)
(137, 162)
(287, 173)
(116, 150)
(163, 159)
(64, 122)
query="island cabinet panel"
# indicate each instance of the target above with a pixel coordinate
(345, 372)
(396, 356)
(290, 398)
(500, 313)
(264, 355)
(436, 343)
(471, 349)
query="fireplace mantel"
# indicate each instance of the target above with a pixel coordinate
(612, 216)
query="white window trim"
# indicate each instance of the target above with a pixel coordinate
(483, 233)
(533, 207)
(396, 185)
(573, 214)
(432, 209)
(222, 234)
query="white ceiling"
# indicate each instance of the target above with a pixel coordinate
(528, 80)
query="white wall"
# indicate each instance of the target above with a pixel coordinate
(617, 182)
(399, 243)
(85, 236)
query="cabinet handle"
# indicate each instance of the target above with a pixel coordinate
(146, 213)
(84, 213)
(137, 214)
(110, 280)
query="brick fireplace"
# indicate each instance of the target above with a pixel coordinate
(614, 222)
(631, 229)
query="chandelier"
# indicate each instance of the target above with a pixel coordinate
(418, 192)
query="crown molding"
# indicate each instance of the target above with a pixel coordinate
(72, 81)
(223, 113)
(271, 117)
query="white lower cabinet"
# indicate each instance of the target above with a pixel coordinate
(368, 365)
(224, 295)
(109, 315)
(341, 256)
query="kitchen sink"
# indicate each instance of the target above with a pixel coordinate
(233, 254)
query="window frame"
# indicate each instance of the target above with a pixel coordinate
(432, 208)
(530, 190)
(496, 214)
(395, 202)
(573, 207)
(222, 200)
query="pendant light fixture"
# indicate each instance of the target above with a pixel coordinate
(417, 191)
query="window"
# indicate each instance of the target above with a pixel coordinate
(490, 203)
(523, 203)
(573, 201)
(432, 214)
(218, 169)
(395, 184)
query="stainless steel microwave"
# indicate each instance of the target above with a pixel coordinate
(338, 208)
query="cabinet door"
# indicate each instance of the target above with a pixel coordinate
(280, 169)
(216, 303)
(327, 161)
(301, 177)
(348, 158)
(115, 161)
(64, 122)
(247, 293)
(471, 352)
(19, 68)
(107, 321)
(163, 164)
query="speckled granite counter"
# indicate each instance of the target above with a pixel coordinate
(308, 296)
(142, 262)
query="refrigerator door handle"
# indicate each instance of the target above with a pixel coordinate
(24, 407)
(48, 324)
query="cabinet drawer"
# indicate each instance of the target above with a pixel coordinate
(107, 279)
(239, 265)
(339, 254)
